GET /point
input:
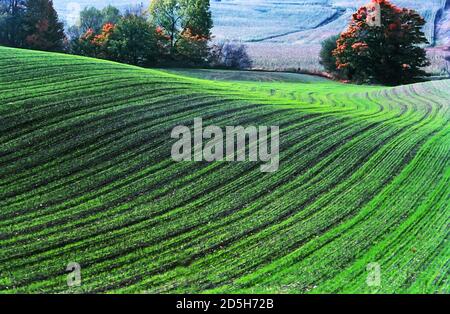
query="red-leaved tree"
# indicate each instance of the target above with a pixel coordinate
(383, 47)
(42, 29)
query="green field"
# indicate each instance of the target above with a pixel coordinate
(86, 176)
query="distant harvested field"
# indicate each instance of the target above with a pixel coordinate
(252, 76)
(285, 57)
(86, 176)
(439, 66)
(302, 58)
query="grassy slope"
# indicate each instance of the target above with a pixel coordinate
(86, 177)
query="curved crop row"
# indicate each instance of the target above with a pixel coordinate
(86, 176)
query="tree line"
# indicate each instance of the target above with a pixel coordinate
(384, 44)
(168, 32)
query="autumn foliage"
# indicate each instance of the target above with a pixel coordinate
(94, 45)
(103, 37)
(388, 53)
(170, 33)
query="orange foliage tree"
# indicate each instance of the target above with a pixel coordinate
(95, 45)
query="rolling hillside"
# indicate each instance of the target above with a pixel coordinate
(86, 176)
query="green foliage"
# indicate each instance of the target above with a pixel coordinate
(186, 23)
(134, 41)
(80, 43)
(200, 20)
(91, 22)
(93, 18)
(327, 59)
(111, 14)
(170, 15)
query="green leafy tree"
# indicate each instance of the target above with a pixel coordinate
(170, 15)
(134, 41)
(200, 20)
(182, 20)
(91, 18)
(327, 59)
(390, 53)
(43, 30)
(111, 14)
